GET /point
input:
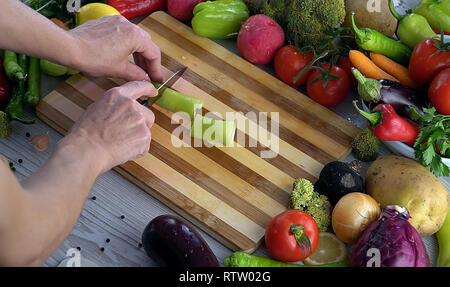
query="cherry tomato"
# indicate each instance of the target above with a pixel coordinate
(424, 65)
(281, 242)
(439, 92)
(334, 92)
(345, 64)
(289, 63)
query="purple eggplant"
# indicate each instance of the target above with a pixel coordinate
(173, 242)
(402, 98)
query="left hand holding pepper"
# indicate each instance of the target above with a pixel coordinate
(103, 47)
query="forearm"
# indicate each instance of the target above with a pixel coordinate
(25, 31)
(50, 204)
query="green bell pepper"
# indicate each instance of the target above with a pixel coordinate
(220, 19)
(412, 28)
(437, 12)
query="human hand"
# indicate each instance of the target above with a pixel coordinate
(116, 128)
(103, 47)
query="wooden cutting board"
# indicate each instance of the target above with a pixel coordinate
(231, 193)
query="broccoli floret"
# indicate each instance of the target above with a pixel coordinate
(305, 22)
(303, 197)
(5, 125)
(365, 146)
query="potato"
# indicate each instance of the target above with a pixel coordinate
(369, 15)
(395, 180)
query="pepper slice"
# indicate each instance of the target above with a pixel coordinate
(214, 131)
(174, 101)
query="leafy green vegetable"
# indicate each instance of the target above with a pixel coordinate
(48, 8)
(433, 141)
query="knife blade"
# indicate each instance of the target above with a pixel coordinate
(169, 82)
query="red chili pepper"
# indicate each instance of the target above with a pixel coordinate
(134, 8)
(4, 86)
(387, 125)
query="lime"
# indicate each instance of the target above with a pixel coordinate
(329, 250)
(94, 11)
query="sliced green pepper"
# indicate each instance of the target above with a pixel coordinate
(176, 102)
(437, 13)
(217, 131)
(412, 28)
(220, 19)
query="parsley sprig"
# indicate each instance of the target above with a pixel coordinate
(433, 141)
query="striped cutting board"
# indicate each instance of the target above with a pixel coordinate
(231, 193)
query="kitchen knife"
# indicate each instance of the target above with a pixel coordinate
(169, 82)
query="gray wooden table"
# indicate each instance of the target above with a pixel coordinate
(109, 229)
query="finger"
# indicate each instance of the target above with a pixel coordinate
(148, 115)
(132, 72)
(152, 56)
(137, 89)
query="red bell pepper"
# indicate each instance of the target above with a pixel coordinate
(4, 86)
(134, 8)
(387, 125)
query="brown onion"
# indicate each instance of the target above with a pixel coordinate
(352, 214)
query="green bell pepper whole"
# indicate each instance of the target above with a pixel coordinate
(176, 102)
(214, 131)
(220, 19)
(436, 12)
(412, 28)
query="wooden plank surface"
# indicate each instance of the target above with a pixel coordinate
(231, 193)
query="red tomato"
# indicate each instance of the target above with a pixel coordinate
(289, 63)
(423, 65)
(439, 92)
(335, 91)
(345, 64)
(281, 242)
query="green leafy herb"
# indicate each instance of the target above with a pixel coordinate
(433, 141)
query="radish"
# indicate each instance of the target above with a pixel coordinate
(259, 39)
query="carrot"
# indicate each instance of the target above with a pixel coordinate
(60, 23)
(395, 69)
(367, 67)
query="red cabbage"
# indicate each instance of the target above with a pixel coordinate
(392, 241)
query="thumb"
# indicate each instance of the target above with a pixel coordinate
(133, 73)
